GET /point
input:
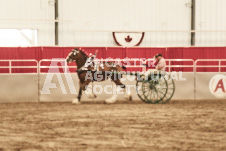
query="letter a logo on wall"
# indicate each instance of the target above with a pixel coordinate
(217, 86)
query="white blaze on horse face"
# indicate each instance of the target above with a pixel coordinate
(68, 57)
(69, 60)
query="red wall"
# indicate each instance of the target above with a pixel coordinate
(115, 52)
(39, 53)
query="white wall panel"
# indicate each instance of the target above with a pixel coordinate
(29, 14)
(211, 16)
(19, 88)
(112, 15)
(129, 15)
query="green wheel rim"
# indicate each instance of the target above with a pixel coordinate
(156, 90)
(139, 90)
(170, 90)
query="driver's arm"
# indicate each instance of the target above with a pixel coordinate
(160, 65)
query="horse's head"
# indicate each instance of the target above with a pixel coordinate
(72, 56)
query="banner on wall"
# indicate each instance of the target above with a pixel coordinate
(217, 85)
(210, 85)
(128, 39)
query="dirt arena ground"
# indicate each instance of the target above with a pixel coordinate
(179, 125)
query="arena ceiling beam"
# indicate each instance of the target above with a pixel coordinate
(193, 23)
(56, 23)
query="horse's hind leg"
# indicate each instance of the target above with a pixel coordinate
(127, 94)
(114, 97)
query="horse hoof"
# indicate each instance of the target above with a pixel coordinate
(75, 101)
(128, 97)
(92, 96)
(110, 101)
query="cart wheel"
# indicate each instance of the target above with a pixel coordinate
(152, 90)
(139, 90)
(155, 90)
(170, 89)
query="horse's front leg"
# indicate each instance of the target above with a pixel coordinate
(77, 100)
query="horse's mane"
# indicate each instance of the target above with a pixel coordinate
(84, 53)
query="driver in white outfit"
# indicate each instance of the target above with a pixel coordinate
(161, 63)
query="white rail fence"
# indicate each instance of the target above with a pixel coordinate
(136, 63)
(133, 63)
(10, 65)
(53, 65)
(130, 63)
(214, 63)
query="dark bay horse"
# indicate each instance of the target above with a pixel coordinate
(105, 70)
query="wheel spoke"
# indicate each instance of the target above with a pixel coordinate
(162, 93)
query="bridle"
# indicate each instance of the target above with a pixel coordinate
(71, 58)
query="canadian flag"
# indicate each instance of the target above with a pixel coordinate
(128, 39)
